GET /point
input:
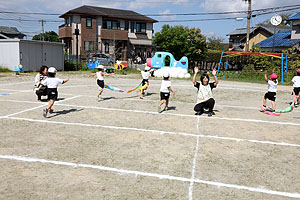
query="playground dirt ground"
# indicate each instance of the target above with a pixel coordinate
(121, 148)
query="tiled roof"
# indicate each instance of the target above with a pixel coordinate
(109, 12)
(9, 30)
(267, 27)
(294, 17)
(282, 39)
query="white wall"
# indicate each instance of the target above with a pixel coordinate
(9, 53)
(31, 54)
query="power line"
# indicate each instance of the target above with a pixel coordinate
(31, 20)
(169, 14)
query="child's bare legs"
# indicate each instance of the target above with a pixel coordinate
(265, 102)
(100, 92)
(51, 102)
(161, 102)
(142, 89)
(167, 103)
(273, 105)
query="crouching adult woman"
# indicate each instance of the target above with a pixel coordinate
(205, 98)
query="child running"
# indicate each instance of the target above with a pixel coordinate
(296, 85)
(272, 89)
(52, 83)
(165, 89)
(100, 79)
(145, 81)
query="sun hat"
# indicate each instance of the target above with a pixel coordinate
(100, 67)
(52, 70)
(147, 68)
(166, 74)
(273, 76)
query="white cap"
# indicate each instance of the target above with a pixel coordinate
(100, 67)
(147, 68)
(166, 74)
(52, 70)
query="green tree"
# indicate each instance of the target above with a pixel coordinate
(216, 43)
(50, 36)
(182, 41)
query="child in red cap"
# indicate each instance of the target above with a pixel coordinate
(296, 85)
(272, 89)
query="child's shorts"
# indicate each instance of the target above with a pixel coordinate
(296, 90)
(164, 95)
(100, 83)
(271, 96)
(145, 81)
(52, 93)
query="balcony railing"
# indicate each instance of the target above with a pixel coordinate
(110, 34)
(65, 32)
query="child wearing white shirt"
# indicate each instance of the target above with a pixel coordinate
(296, 85)
(52, 83)
(272, 89)
(165, 89)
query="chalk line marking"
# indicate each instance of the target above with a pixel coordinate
(194, 162)
(157, 131)
(30, 109)
(17, 83)
(171, 114)
(147, 174)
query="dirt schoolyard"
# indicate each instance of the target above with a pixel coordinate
(122, 148)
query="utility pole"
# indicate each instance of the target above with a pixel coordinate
(248, 24)
(43, 30)
(77, 33)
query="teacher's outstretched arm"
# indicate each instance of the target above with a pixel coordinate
(195, 75)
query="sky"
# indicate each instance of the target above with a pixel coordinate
(218, 28)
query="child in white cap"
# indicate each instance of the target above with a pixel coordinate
(52, 83)
(272, 89)
(145, 82)
(165, 89)
(296, 85)
(100, 79)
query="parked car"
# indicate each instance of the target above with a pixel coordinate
(102, 58)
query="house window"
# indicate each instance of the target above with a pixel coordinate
(114, 25)
(140, 27)
(106, 48)
(88, 22)
(126, 25)
(108, 24)
(131, 27)
(88, 46)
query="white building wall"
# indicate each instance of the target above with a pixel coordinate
(9, 53)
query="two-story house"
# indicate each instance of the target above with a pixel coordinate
(284, 40)
(237, 38)
(114, 32)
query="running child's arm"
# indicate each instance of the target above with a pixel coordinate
(195, 75)
(214, 72)
(152, 70)
(266, 78)
(92, 74)
(66, 80)
(170, 89)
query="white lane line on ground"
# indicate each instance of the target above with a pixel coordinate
(147, 174)
(194, 162)
(157, 131)
(173, 114)
(17, 83)
(30, 109)
(185, 115)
